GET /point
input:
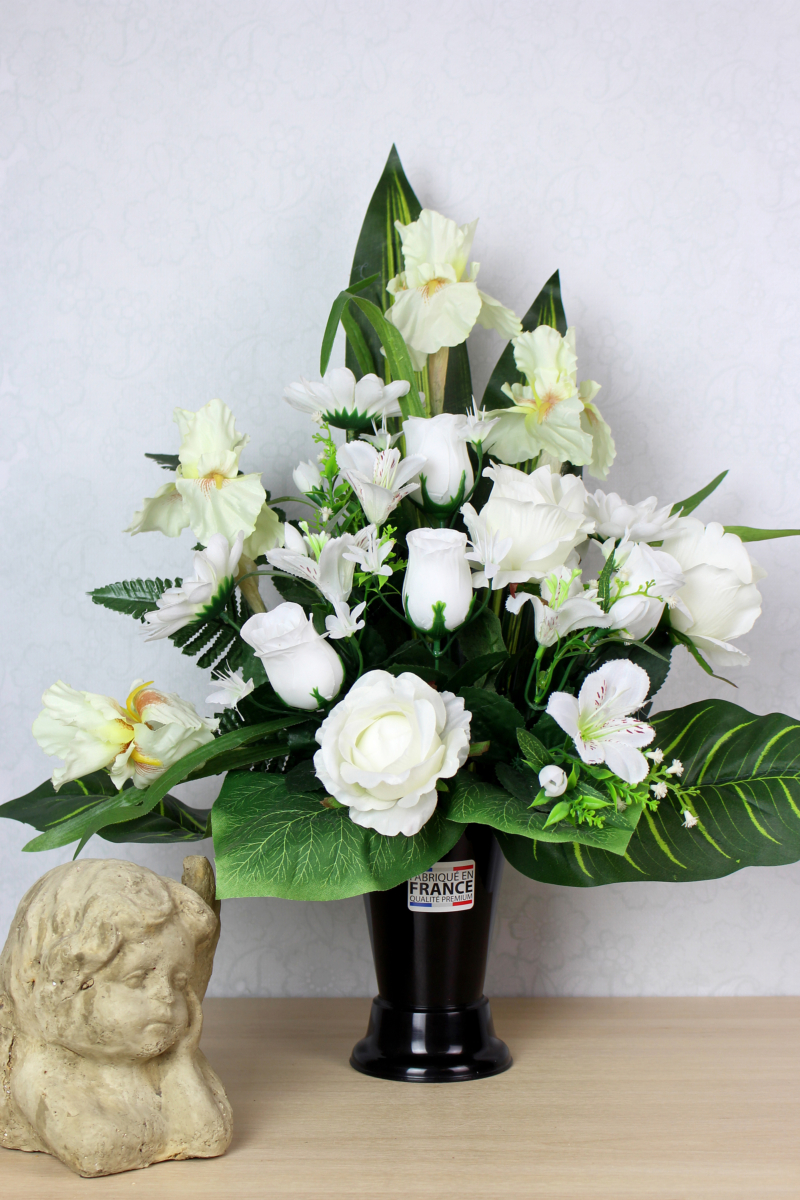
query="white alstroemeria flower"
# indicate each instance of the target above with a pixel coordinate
(381, 438)
(720, 600)
(343, 401)
(322, 560)
(599, 722)
(616, 518)
(370, 553)
(478, 425)
(541, 513)
(437, 574)
(345, 623)
(487, 547)
(138, 742)
(384, 746)
(297, 660)
(440, 442)
(565, 605)
(643, 581)
(214, 575)
(435, 304)
(229, 688)
(554, 781)
(379, 478)
(546, 417)
(307, 477)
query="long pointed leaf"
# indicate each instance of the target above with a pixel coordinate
(334, 317)
(684, 507)
(747, 534)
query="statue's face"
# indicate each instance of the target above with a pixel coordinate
(136, 1006)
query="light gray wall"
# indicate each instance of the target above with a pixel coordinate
(183, 185)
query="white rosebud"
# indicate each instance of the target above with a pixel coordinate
(437, 573)
(554, 781)
(307, 477)
(137, 742)
(440, 441)
(384, 746)
(296, 658)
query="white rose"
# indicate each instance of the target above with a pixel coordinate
(720, 600)
(539, 517)
(437, 573)
(554, 781)
(615, 517)
(385, 745)
(137, 742)
(440, 441)
(296, 658)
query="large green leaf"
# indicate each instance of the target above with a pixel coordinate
(270, 841)
(80, 820)
(547, 309)
(684, 507)
(746, 770)
(748, 534)
(471, 800)
(494, 719)
(132, 596)
(170, 821)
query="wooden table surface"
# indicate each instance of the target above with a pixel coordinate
(607, 1100)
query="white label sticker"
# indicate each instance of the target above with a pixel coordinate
(446, 887)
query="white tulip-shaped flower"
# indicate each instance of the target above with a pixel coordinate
(599, 719)
(138, 742)
(342, 401)
(440, 440)
(720, 600)
(298, 661)
(326, 562)
(554, 781)
(379, 478)
(540, 514)
(383, 747)
(564, 606)
(208, 494)
(616, 518)
(436, 299)
(437, 588)
(643, 581)
(549, 410)
(229, 688)
(202, 596)
(307, 477)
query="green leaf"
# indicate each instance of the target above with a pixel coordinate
(270, 841)
(547, 309)
(334, 317)
(170, 462)
(494, 719)
(472, 671)
(471, 800)
(533, 750)
(170, 821)
(81, 820)
(747, 534)
(484, 635)
(397, 357)
(684, 507)
(746, 772)
(132, 596)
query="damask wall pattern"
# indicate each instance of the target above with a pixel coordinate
(182, 189)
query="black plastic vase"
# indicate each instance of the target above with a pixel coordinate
(430, 1022)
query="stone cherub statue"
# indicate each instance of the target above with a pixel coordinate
(101, 980)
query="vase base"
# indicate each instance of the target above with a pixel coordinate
(441, 1045)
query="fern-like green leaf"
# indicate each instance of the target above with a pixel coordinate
(132, 596)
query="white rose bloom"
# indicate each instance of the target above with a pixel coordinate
(137, 742)
(616, 518)
(339, 398)
(554, 781)
(542, 515)
(440, 441)
(547, 412)
(435, 303)
(383, 747)
(296, 658)
(307, 477)
(379, 478)
(564, 606)
(644, 580)
(214, 574)
(599, 722)
(720, 600)
(437, 573)
(229, 688)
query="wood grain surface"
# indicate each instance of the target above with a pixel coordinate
(607, 1100)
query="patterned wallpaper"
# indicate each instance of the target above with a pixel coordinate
(182, 189)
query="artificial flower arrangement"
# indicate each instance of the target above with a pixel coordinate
(466, 635)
